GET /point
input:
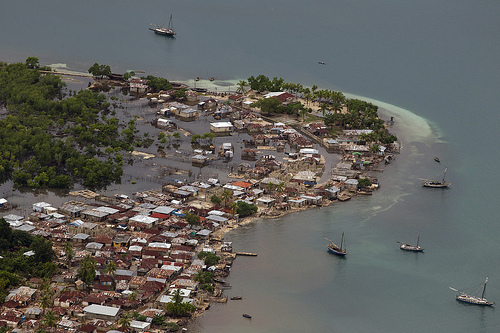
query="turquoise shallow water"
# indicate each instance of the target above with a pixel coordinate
(433, 64)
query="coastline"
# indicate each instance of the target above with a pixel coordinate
(264, 214)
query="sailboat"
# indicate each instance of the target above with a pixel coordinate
(333, 248)
(169, 31)
(413, 248)
(467, 298)
(437, 183)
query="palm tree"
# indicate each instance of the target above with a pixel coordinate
(49, 319)
(45, 302)
(226, 196)
(233, 206)
(69, 251)
(375, 149)
(280, 187)
(125, 321)
(270, 187)
(242, 84)
(110, 268)
(87, 270)
(132, 296)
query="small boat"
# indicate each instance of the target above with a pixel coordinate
(437, 183)
(321, 63)
(235, 298)
(465, 297)
(338, 250)
(247, 316)
(413, 248)
(437, 159)
(212, 78)
(160, 30)
(197, 78)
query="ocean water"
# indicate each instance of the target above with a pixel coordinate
(433, 65)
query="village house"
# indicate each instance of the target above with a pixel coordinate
(221, 128)
(138, 86)
(103, 312)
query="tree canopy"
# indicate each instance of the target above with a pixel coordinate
(53, 140)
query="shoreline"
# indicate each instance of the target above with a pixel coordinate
(267, 213)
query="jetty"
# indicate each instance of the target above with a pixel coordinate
(249, 254)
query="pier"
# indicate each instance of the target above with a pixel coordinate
(249, 254)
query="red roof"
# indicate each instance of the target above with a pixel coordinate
(160, 216)
(242, 184)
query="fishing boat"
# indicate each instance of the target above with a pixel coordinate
(413, 248)
(464, 296)
(437, 183)
(335, 249)
(236, 298)
(160, 30)
(247, 316)
(437, 159)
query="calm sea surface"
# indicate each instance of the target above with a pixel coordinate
(435, 67)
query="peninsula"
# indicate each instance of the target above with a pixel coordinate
(152, 259)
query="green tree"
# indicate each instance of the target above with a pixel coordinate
(364, 182)
(87, 271)
(158, 319)
(269, 105)
(43, 250)
(50, 320)
(69, 251)
(110, 269)
(210, 258)
(178, 308)
(128, 75)
(244, 209)
(242, 84)
(192, 219)
(125, 321)
(215, 200)
(158, 83)
(32, 62)
(226, 196)
(203, 277)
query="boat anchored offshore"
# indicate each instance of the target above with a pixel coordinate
(160, 30)
(465, 297)
(335, 249)
(413, 248)
(437, 183)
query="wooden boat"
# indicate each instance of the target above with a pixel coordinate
(413, 248)
(235, 298)
(212, 78)
(437, 159)
(437, 183)
(160, 30)
(335, 249)
(465, 297)
(321, 63)
(247, 316)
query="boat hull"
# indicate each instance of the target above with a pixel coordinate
(411, 248)
(338, 252)
(474, 300)
(435, 184)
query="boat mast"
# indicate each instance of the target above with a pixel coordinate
(170, 24)
(342, 241)
(444, 175)
(484, 289)
(418, 239)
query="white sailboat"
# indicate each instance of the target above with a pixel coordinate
(465, 297)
